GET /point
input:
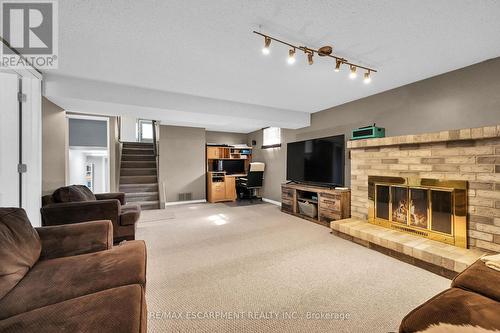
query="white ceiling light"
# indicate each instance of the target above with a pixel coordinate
(353, 73)
(291, 56)
(367, 78)
(324, 51)
(265, 49)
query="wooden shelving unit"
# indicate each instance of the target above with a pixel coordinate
(220, 185)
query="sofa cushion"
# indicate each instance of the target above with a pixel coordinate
(57, 280)
(129, 214)
(480, 279)
(454, 306)
(19, 247)
(121, 309)
(73, 193)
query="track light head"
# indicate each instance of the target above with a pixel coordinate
(367, 78)
(337, 65)
(310, 55)
(353, 73)
(267, 42)
(291, 56)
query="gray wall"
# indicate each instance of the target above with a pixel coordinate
(182, 162)
(54, 136)
(468, 97)
(226, 138)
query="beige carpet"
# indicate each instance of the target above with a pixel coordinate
(214, 268)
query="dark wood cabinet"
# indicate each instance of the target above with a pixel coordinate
(331, 204)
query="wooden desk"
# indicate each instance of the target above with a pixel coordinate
(237, 175)
(221, 187)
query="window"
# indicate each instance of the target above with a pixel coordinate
(271, 137)
(145, 130)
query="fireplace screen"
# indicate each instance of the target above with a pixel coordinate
(419, 205)
(442, 214)
(399, 204)
(383, 202)
(426, 207)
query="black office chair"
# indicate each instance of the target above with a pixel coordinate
(247, 187)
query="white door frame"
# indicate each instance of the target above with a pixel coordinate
(108, 143)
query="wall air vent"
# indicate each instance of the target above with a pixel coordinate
(185, 196)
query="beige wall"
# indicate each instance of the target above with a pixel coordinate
(54, 142)
(182, 162)
(275, 160)
(226, 138)
(468, 97)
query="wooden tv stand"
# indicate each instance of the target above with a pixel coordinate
(331, 204)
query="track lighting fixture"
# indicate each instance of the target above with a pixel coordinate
(325, 51)
(367, 78)
(353, 73)
(337, 65)
(267, 42)
(310, 58)
(291, 56)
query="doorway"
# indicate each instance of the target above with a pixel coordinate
(88, 153)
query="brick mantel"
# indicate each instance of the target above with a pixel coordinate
(443, 136)
(471, 154)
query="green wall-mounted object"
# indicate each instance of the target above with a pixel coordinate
(368, 132)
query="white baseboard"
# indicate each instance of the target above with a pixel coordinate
(175, 203)
(274, 202)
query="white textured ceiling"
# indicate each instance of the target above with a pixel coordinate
(206, 49)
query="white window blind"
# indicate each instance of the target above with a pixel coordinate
(271, 137)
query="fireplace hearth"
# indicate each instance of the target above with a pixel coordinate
(431, 208)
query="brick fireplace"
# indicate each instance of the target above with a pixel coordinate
(468, 157)
(471, 155)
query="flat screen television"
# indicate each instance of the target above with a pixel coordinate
(317, 161)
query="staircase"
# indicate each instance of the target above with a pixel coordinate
(139, 175)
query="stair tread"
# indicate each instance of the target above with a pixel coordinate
(132, 176)
(152, 168)
(137, 155)
(137, 185)
(136, 143)
(135, 161)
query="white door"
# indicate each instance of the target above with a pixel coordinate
(9, 140)
(20, 143)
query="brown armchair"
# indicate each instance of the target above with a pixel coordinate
(69, 278)
(473, 299)
(76, 203)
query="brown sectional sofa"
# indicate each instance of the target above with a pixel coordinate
(473, 299)
(76, 203)
(69, 278)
